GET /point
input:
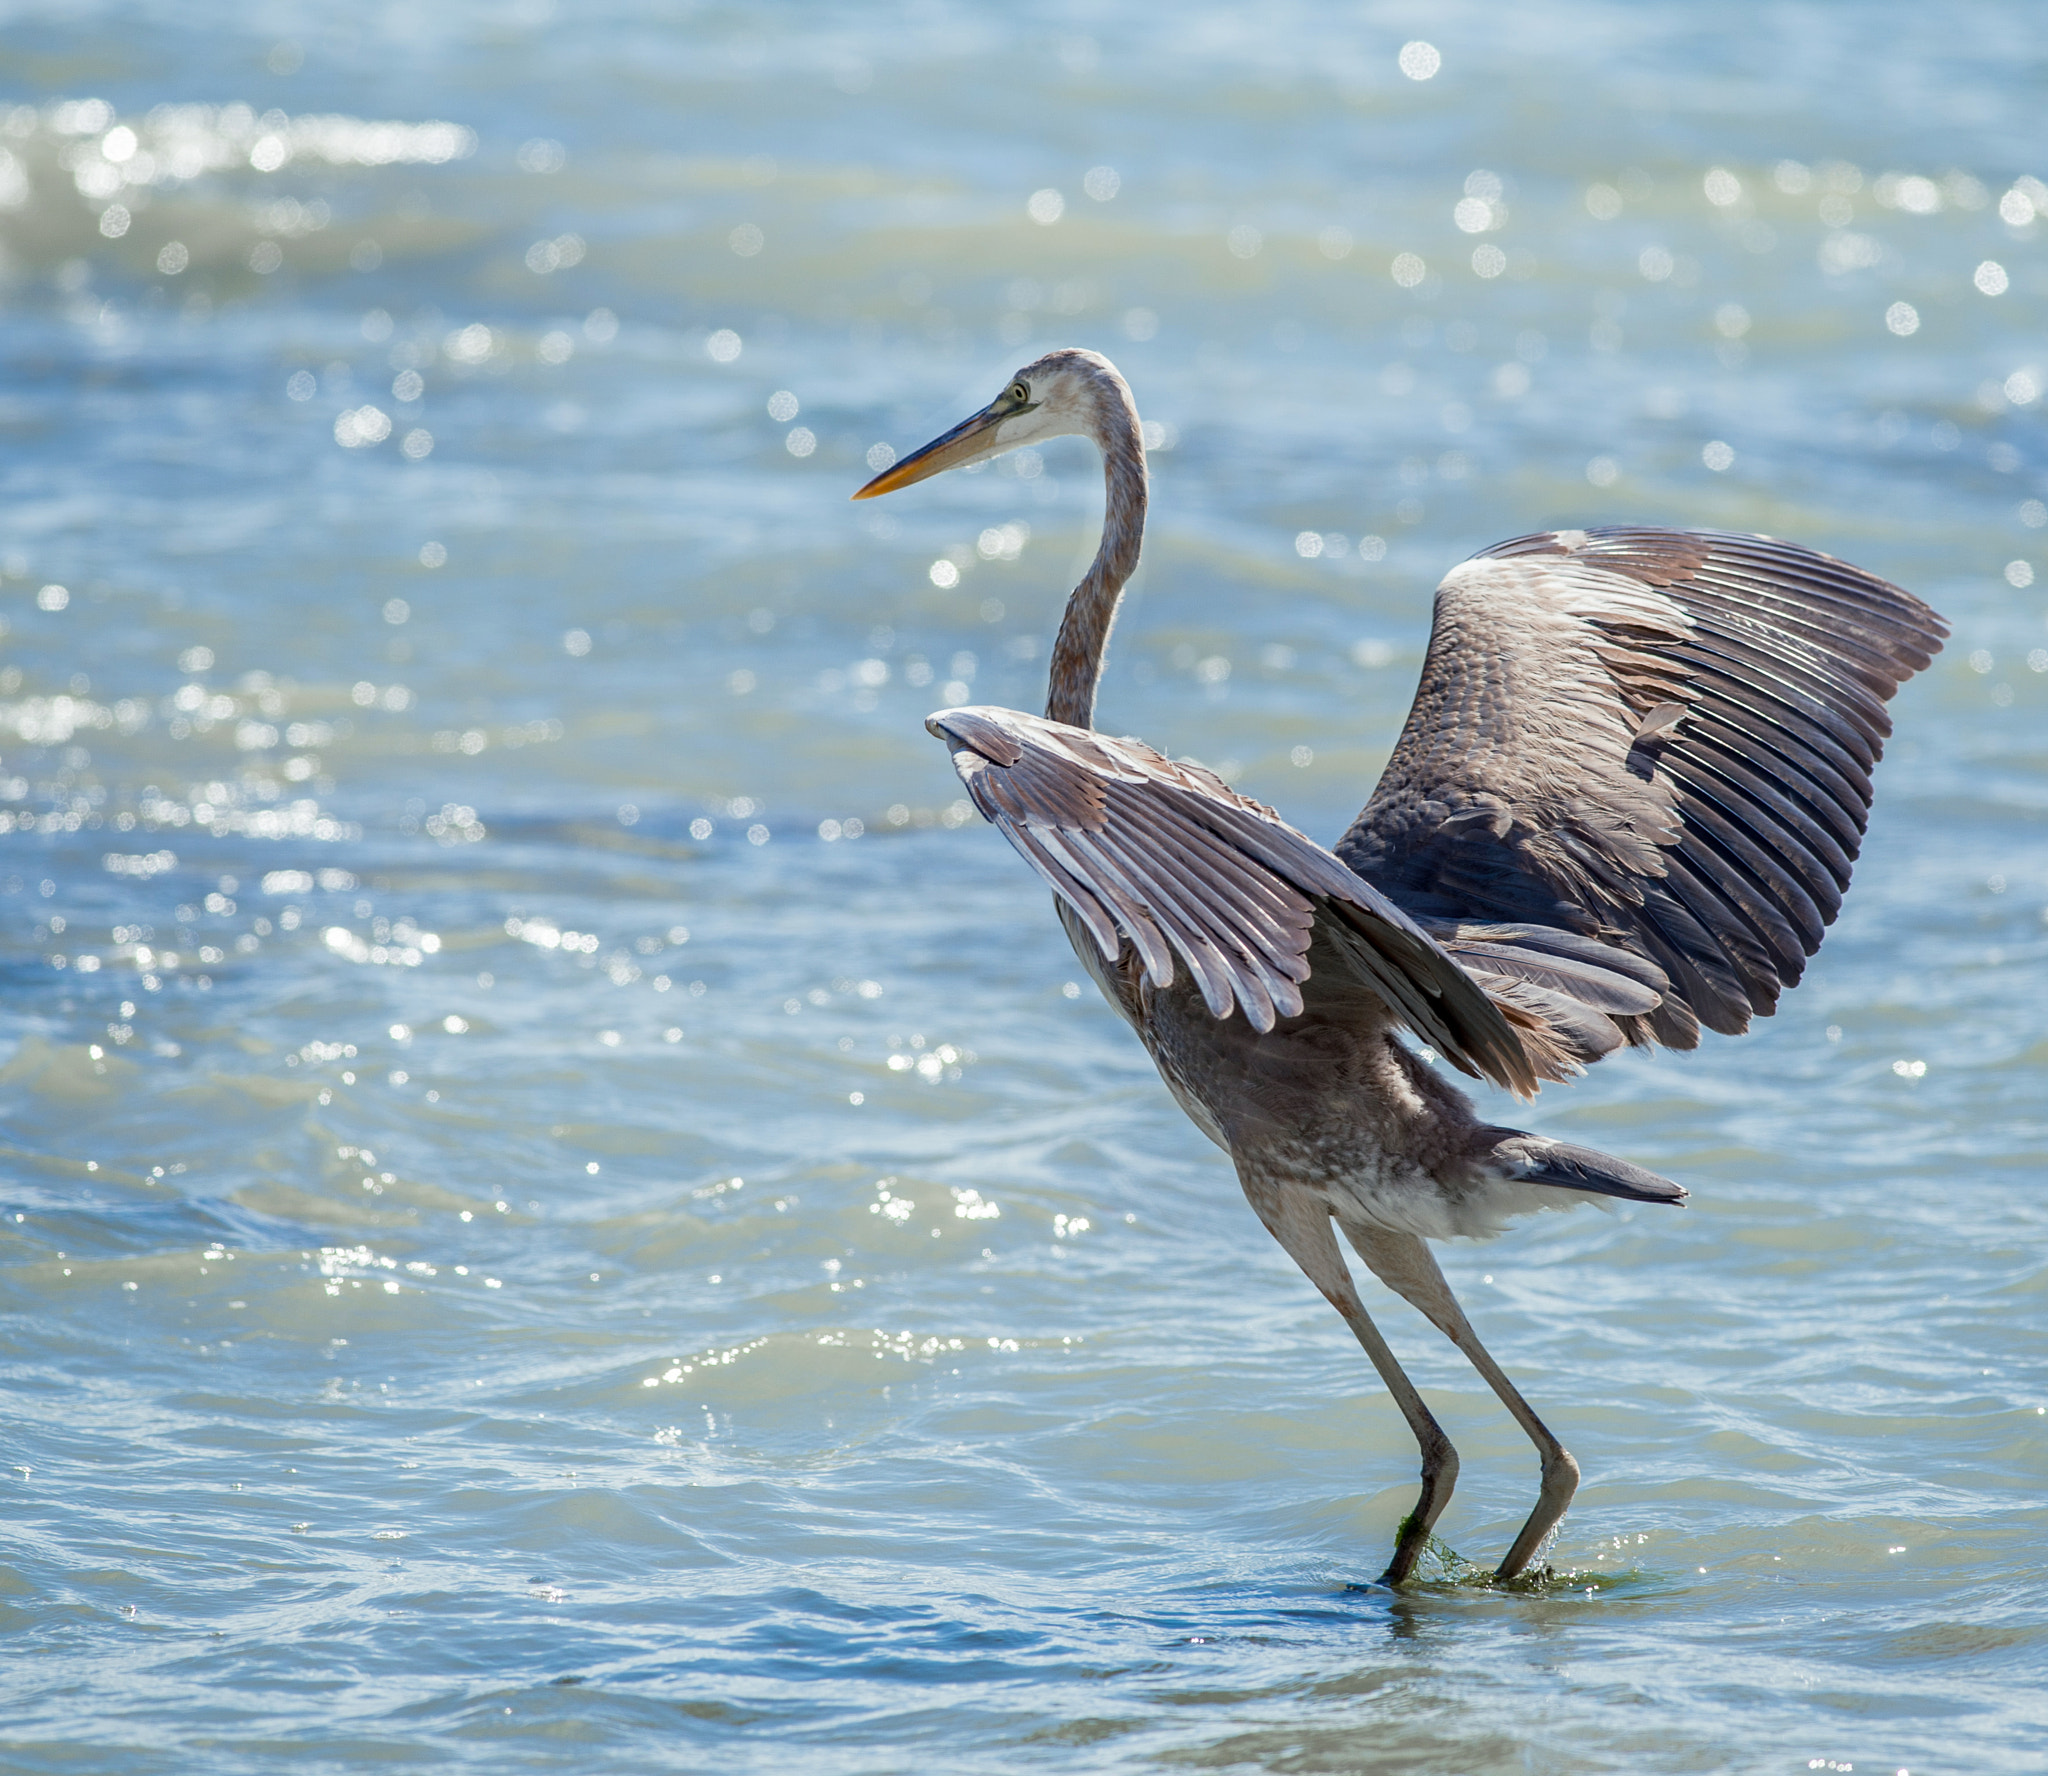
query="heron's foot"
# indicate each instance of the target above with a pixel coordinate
(1423, 1559)
(1408, 1545)
(1439, 1480)
(1560, 1481)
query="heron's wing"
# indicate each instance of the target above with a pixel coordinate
(1662, 739)
(1571, 1000)
(1163, 855)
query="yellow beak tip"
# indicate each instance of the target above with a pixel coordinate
(886, 482)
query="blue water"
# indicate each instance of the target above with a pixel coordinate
(564, 1207)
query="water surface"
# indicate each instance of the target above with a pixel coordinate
(563, 1208)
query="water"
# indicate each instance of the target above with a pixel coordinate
(525, 1250)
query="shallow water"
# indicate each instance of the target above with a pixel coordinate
(561, 1211)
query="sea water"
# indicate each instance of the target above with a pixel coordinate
(566, 1204)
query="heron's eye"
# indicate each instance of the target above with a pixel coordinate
(1018, 392)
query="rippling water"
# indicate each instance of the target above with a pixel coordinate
(560, 1208)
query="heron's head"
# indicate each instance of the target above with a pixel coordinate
(1063, 392)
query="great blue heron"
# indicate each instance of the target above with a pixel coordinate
(1624, 805)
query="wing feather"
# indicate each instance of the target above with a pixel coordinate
(1659, 739)
(1276, 932)
(1116, 898)
(1575, 1035)
(1596, 988)
(1064, 883)
(1275, 915)
(1778, 908)
(1845, 793)
(1148, 893)
(1708, 898)
(1164, 857)
(1813, 820)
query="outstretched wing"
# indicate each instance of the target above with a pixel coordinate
(1164, 856)
(1662, 739)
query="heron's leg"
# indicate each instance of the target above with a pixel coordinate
(1300, 1221)
(1407, 1266)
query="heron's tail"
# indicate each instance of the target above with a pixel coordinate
(1535, 1159)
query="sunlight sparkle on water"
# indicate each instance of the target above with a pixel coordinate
(1419, 60)
(433, 616)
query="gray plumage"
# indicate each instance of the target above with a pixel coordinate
(1663, 738)
(1625, 804)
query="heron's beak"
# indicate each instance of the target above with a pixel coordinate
(970, 439)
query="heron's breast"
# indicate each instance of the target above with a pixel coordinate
(1329, 1079)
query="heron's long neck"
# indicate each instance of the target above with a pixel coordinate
(1084, 631)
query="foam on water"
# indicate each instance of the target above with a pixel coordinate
(564, 1205)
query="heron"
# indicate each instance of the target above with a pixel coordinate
(1623, 808)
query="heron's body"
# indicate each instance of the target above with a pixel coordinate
(1331, 1099)
(1624, 805)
